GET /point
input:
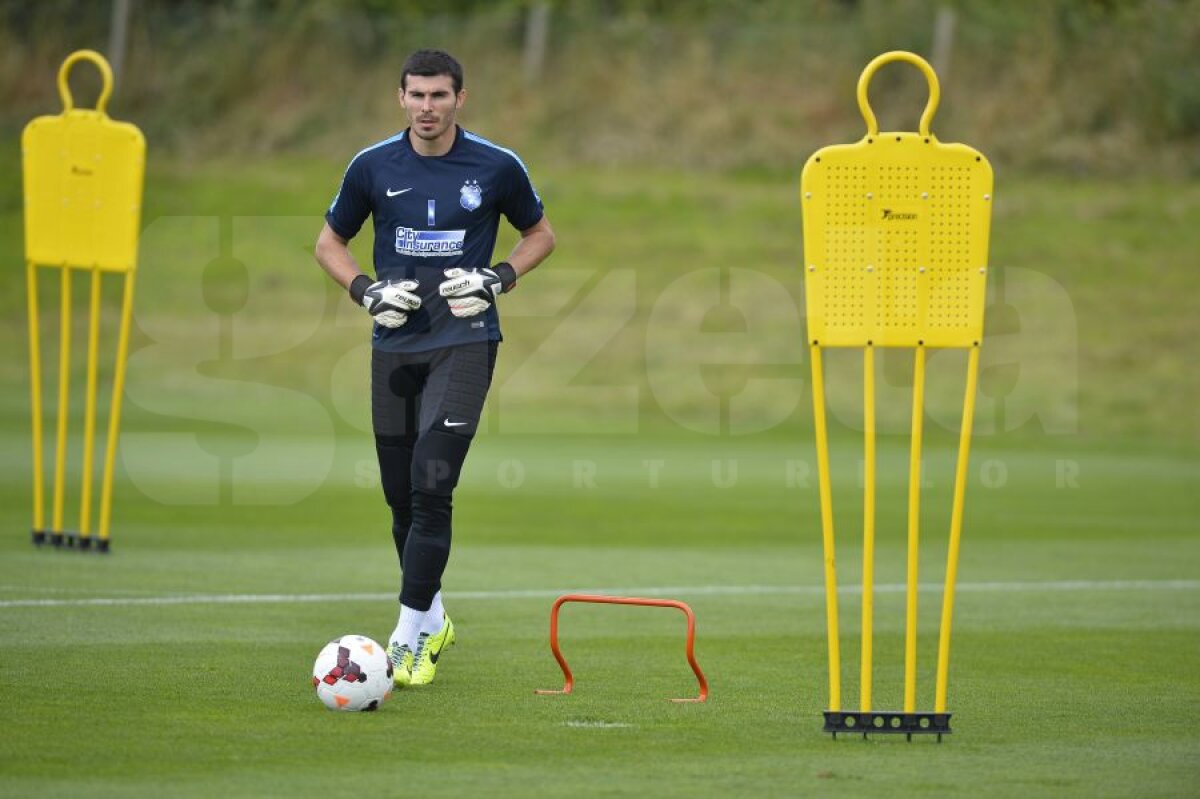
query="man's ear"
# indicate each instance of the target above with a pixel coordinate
(461, 99)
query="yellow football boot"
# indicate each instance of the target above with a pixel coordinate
(429, 650)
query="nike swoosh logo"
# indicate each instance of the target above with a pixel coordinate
(391, 193)
(449, 423)
(433, 656)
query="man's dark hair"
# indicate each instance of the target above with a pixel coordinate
(430, 63)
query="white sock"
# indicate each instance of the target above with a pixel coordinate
(434, 618)
(408, 627)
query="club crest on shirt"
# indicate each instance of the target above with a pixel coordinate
(470, 195)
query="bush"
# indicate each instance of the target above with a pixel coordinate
(1064, 84)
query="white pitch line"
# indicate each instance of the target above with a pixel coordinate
(1054, 586)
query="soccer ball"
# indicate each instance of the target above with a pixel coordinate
(352, 673)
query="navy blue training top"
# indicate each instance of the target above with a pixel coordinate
(432, 213)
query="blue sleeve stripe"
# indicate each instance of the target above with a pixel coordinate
(479, 139)
(398, 137)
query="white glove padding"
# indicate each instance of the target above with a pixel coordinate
(470, 292)
(389, 301)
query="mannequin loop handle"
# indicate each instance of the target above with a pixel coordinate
(864, 81)
(64, 91)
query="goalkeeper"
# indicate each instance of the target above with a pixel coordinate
(435, 193)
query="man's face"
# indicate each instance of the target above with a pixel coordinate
(430, 104)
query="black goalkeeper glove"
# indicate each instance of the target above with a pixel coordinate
(388, 301)
(471, 292)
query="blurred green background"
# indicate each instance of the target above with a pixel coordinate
(1077, 86)
(666, 139)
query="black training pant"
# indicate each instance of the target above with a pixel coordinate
(425, 409)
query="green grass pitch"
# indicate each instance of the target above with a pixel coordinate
(1072, 669)
(179, 664)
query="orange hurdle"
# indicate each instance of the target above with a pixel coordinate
(569, 683)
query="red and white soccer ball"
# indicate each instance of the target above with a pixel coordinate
(352, 673)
